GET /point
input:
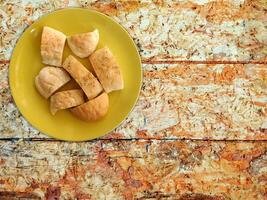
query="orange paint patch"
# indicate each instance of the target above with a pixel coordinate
(141, 134)
(107, 8)
(229, 73)
(261, 104)
(113, 135)
(124, 163)
(247, 155)
(130, 6)
(2, 161)
(4, 61)
(199, 74)
(114, 8)
(144, 135)
(220, 11)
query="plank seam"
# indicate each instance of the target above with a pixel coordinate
(128, 139)
(200, 62)
(184, 62)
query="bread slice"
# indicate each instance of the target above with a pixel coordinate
(107, 69)
(84, 44)
(92, 110)
(50, 79)
(52, 46)
(83, 77)
(66, 99)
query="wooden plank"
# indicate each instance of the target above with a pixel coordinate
(12, 124)
(134, 170)
(193, 101)
(163, 30)
(200, 101)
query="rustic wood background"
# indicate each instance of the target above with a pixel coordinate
(198, 131)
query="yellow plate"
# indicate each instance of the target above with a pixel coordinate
(26, 64)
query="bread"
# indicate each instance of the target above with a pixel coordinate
(52, 46)
(50, 79)
(66, 99)
(83, 77)
(82, 45)
(107, 69)
(92, 110)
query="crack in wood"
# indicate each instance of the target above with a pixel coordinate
(128, 139)
(149, 61)
(170, 61)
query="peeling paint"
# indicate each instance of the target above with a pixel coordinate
(126, 170)
(204, 79)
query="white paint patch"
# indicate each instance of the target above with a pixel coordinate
(201, 2)
(264, 124)
(144, 24)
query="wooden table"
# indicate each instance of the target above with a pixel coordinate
(198, 131)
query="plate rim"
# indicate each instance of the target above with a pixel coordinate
(12, 60)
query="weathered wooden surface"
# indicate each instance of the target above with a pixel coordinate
(205, 78)
(134, 169)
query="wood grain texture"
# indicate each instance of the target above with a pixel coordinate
(134, 170)
(204, 65)
(163, 30)
(200, 101)
(193, 101)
